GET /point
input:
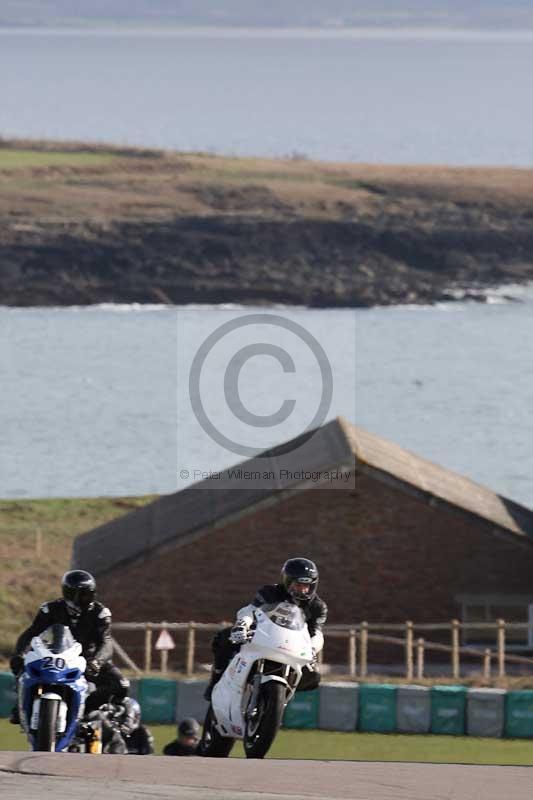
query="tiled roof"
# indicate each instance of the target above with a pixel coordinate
(391, 463)
(215, 501)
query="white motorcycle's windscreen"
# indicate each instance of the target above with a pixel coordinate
(286, 615)
(57, 639)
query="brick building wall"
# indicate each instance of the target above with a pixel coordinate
(383, 556)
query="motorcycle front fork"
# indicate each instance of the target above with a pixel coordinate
(251, 707)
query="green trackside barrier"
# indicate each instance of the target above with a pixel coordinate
(7, 693)
(519, 714)
(302, 711)
(377, 708)
(448, 704)
(157, 698)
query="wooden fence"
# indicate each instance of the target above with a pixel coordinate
(359, 637)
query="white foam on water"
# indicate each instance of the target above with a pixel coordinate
(112, 307)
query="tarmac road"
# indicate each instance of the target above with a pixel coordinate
(38, 776)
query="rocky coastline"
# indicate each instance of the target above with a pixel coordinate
(154, 227)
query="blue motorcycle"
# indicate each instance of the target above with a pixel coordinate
(52, 691)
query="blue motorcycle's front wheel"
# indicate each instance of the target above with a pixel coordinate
(46, 732)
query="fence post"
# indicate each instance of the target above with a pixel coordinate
(164, 662)
(409, 651)
(486, 664)
(455, 648)
(147, 647)
(352, 653)
(501, 648)
(420, 658)
(363, 668)
(191, 644)
(38, 543)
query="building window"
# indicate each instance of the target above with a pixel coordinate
(479, 609)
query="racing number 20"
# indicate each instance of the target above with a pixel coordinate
(53, 663)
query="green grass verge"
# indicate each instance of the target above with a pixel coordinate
(29, 576)
(354, 746)
(19, 159)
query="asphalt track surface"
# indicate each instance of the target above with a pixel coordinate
(39, 776)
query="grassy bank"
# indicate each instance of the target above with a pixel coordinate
(353, 746)
(35, 549)
(85, 223)
(20, 159)
(139, 185)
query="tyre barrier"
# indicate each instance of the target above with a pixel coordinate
(448, 710)
(377, 708)
(485, 712)
(7, 693)
(386, 708)
(158, 699)
(413, 709)
(190, 700)
(339, 706)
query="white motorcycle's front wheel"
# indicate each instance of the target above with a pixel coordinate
(46, 732)
(262, 728)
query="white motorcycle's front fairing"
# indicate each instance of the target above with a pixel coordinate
(271, 642)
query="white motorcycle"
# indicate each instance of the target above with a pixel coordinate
(249, 699)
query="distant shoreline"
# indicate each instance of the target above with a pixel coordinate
(87, 224)
(377, 32)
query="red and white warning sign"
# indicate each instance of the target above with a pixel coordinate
(165, 641)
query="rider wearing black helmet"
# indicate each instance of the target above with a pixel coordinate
(90, 623)
(186, 743)
(122, 730)
(298, 584)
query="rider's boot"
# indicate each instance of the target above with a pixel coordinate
(14, 716)
(216, 674)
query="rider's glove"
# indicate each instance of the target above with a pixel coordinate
(16, 664)
(92, 669)
(239, 633)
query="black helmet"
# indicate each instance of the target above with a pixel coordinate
(79, 589)
(299, 577)
(189, 728)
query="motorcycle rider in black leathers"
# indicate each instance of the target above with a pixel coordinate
(138, 738)
(298, 584)
(90, 624)
(122, 730)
